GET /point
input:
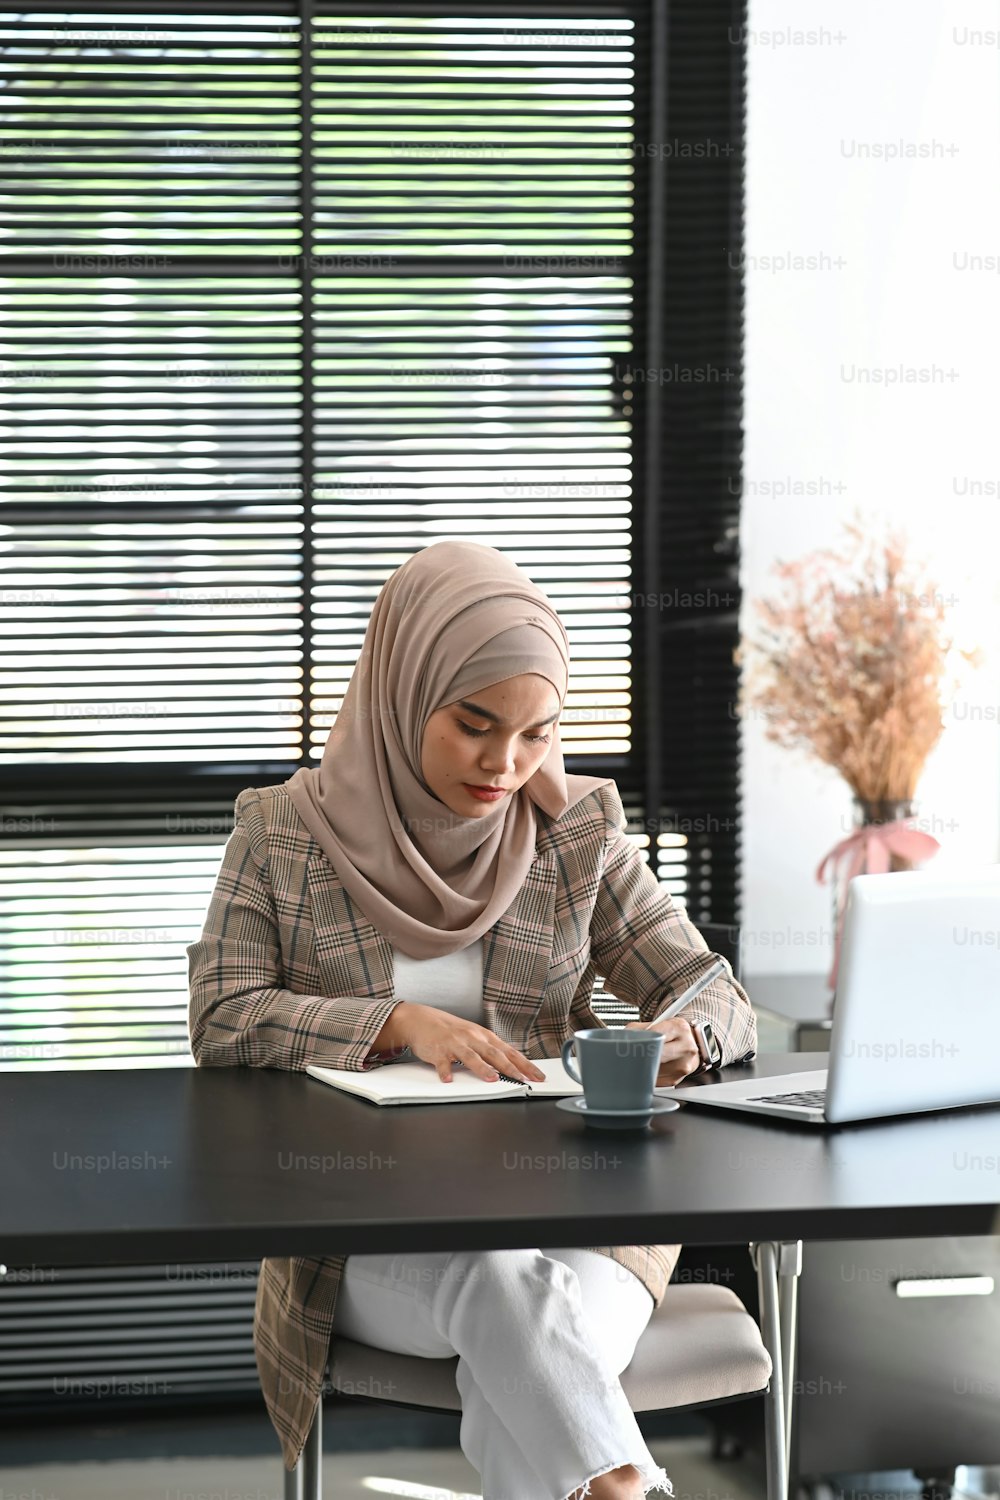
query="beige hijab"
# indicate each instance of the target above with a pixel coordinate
(457, 616)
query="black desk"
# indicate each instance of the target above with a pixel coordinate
(214, 1163)
(120, 1167)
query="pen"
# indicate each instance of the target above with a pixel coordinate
(693, 990)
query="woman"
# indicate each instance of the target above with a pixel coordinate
(379, 905)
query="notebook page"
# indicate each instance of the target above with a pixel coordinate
(414, 1083)
(557, 1085)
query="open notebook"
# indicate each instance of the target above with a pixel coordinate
(418, 1083)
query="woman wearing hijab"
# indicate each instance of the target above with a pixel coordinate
(439, 887)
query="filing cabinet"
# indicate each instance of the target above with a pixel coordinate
(883, 1381)
(891, 1381)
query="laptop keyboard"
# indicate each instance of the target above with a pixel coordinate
(807, 1099)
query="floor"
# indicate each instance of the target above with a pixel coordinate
(427, 1474)
(233, 1457)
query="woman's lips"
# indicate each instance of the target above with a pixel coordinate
(485, 794)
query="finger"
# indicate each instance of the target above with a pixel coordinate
(677, 1066)
(510, 1062)
(514, 1063)
(678, 1049)
(508, 1059)
(476, 1064)
(445, 1068)
(690, 1057)
(530, 1069)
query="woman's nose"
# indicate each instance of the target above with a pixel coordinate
(498, 757)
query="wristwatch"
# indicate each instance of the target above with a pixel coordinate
(708, 1045)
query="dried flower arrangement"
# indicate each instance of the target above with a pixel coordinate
(853, 663)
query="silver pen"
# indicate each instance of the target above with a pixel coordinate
(693, 990)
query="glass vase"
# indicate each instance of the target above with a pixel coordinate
(867, 813)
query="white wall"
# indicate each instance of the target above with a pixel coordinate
(886, 73)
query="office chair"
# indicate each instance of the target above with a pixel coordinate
(700, 1348)
(726, 939)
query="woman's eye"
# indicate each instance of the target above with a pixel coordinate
(478, 733)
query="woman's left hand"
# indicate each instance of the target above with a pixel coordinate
(680, 1055)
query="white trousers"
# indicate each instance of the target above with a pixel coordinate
(541, 1335)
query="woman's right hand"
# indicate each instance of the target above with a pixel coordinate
(438, 1037)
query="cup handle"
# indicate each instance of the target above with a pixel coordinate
(567, 1048)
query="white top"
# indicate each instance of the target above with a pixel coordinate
(453, 982)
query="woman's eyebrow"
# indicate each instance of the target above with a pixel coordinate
(484, 713)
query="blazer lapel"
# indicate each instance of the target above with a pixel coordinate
(350, 952)
(517, 950)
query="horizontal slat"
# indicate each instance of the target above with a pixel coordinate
(115, 1279)
(187, 1352)
(143, 1330)
(104, 1323)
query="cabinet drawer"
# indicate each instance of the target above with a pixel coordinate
(887, 1381)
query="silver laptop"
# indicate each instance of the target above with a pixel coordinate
(916, 1020)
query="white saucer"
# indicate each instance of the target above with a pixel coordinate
(577, 1105)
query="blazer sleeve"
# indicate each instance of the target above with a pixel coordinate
(649, 951)
(240, 1013)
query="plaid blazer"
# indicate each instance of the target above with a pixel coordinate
(288, 971)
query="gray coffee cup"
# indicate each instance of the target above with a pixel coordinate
(618, 1068)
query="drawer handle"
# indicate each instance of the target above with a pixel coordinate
(945, 1286)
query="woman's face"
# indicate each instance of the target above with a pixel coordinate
(496, 737)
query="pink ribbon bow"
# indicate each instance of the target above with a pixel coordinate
(867, 851)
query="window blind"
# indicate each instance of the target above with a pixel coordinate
(286, 295)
